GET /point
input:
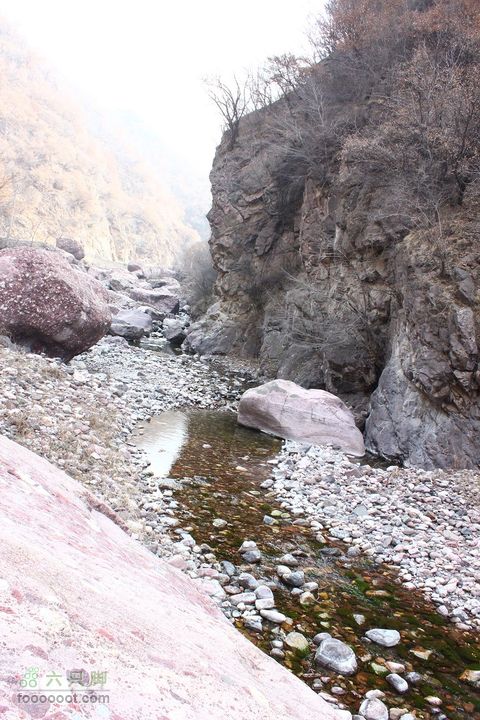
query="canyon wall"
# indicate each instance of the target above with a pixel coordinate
(327, 281)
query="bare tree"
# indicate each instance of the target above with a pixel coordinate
(233, 102)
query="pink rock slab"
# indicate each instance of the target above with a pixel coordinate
(76, 592)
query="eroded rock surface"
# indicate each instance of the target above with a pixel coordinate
(77, 592)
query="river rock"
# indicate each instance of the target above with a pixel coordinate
(252, 556)
(397, 682)
(246, 580)
(285, 409)
(263, 592)
(47, 305)
(253, 623)
(374, 709)
(273, 616)
(386, 638)
(294, 579)
(298, 643)
(131, 324)
(77, 591)
(164, 300)
(337, 656)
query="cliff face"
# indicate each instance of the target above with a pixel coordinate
(330, 285)
(57, 178)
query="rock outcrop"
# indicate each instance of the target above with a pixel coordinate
(328, 285)
(78, 596)
(48, 305)
(282, 408)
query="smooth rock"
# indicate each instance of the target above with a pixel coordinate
(285, 409)
(386, 638)
(89, 596)
(298, 643)
(397, 682)
(273, 616)
(336, 655)
(374, 709)
(131, 324)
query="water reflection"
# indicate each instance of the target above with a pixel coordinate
(162, 440)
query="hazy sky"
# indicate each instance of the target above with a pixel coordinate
(149, 57)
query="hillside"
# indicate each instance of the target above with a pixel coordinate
(345, 227)
(59, 179)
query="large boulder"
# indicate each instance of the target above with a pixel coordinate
(174, 331)
(49, 306)
(131, 324)
(77, 593)
(282, 408)
(164, 300)
(213, 334)
(71, 246)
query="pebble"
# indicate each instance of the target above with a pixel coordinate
(397, 682)
(374, 709)
(252, 556)
(298, 643)
(254, 623)
(435, 552)
(219, 523)
(294, 579)
(273, 616)
(386, 638)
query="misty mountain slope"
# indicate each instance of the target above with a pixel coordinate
(58, 179)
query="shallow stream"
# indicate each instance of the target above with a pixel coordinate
(224, 465)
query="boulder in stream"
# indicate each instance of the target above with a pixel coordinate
(285, 409)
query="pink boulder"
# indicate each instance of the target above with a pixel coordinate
(101, 628)
(49, 306)
(282, 408)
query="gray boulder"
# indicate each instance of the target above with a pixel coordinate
(213, 334)
(174, 330)
(336, 655)
(164, 300)
(282, 408)
(131, 324)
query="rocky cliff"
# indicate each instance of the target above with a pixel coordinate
(329, 276)
(59, 178)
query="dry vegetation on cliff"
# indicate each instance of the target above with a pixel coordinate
(59, 179)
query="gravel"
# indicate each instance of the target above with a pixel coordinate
(426, 523)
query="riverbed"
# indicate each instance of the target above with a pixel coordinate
(223, 469)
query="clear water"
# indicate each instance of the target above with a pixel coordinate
(232, 462)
